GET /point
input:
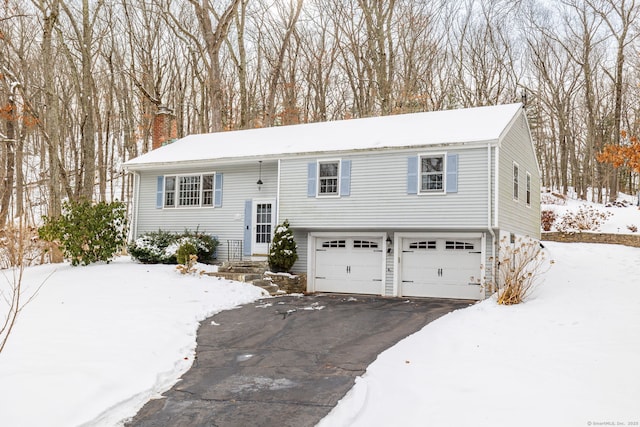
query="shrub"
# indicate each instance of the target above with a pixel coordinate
(161, 247)
(553, 199)
(87, 232)
(150, 247)
(547, 219)
(205, 244)
(283, 251)
(19, 244)
(519, 267)
(184, 252)
(586, 218)
(188, 267)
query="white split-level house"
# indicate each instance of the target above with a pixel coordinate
(410, 205)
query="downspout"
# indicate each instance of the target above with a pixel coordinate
(133, 231)
(489, 218)
(278, 195)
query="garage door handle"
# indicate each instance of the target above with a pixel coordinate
(475, 252)
(407, 281)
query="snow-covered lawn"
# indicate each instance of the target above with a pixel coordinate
(97, 342)
(569, 356)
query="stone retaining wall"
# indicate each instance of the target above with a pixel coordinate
(616, 239)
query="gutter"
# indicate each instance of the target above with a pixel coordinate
(134, 165)
(133, 231)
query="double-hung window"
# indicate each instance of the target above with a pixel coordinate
(328, 176)
(189, 190)
(432, 173)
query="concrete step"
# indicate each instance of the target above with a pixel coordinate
(268, 286)
(257, 267)
(237, 276)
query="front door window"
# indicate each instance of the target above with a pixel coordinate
(263, 223)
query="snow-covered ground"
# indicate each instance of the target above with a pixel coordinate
(98, 342)
(568, 356)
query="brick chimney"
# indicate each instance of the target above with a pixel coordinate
(164, 127)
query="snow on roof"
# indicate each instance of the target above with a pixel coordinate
(404, 130)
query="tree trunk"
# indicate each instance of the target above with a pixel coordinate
(88, 127)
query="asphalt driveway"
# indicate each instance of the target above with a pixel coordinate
(286, 361)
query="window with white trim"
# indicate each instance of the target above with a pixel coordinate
(432, 173)
(189, 190)
(328, 178)
(528, 189)
(516, 173)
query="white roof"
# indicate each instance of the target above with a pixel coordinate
(478, 124)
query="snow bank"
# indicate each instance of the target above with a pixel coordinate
(566, 357)
(99, 341)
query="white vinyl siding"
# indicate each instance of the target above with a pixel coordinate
(379, 195)
(528, 189)
(225, 222)
(516, 146)
(516, 181)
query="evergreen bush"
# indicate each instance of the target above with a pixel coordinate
(161, 247)
(283, 251)
(87, 232)
(184, 252)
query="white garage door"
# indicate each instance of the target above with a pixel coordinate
(349, 265)
(443, 268)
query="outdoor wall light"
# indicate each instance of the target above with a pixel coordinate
(260, 177)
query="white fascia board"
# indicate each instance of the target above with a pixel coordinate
(135, 166)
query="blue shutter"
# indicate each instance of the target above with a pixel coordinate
(218, 191)
(412, 175)
(311, 179)
(159, 192)
(345, 178)
(246, 245)
(452, 173)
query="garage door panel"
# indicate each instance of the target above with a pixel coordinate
(328, 261)
(443, 291)
(349, 265)
(443, 268)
